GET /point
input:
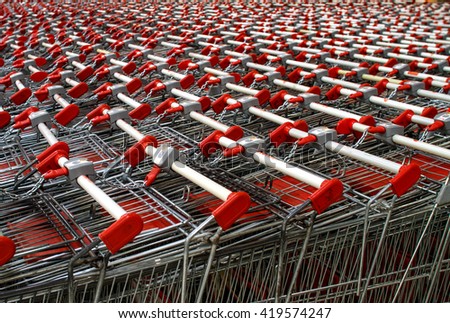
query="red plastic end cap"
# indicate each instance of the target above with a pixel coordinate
(162, 107)
(141, 112)
(78, 90)
(232, 209)
(314, 90)
(263, 96)
(334, 71)
(187, 81)
(281, 70)
(373, 70)
(368, 120)
(205, 102)
(7, 250)
(122, 232)
(381, 85)
(234, 133)
(66, 115)
(278, 99)
(60, 146)
(345, 126)
(21, 96)
(129, 68)
(5, 119)
(40, 61)
(429, 112)
(85, 73)
(329, 192)
(98, 111)
(334, 93)
(220, 103)
(281, 134)
(407, 176)
(391, 62)
(214, 60)
(134, 85)
(38, 76)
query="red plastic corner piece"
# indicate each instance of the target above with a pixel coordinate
(122, 232)
(329, 192)
(78, 90)
(407, 176)
(66, 115)
(232, 209)
(334, 71)
(161, 108)
(141, 112)
(5, 119)
(7, 249)
(21, 96)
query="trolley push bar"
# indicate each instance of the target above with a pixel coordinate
(370, 95)
(388, 132)
(17, 79)
(409, 87)
(252, 148)
(405, 175)
(175, 81)
(54, 162)
(361, 70)
(166, 158)
(105, 71)
(215, 80)
(67, 77)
